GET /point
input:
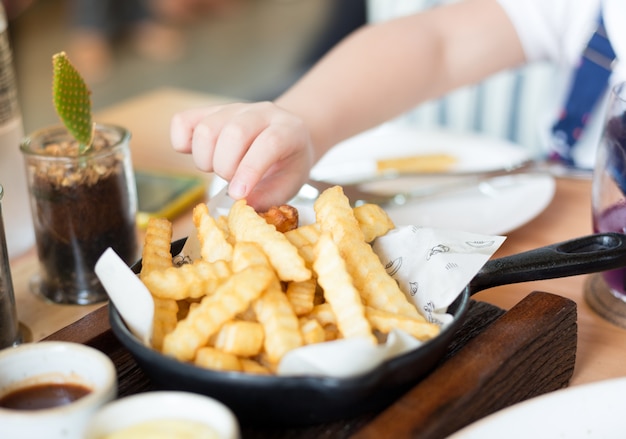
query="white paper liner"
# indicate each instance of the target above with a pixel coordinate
(432, 267)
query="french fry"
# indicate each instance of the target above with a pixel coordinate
(301, 296)
(373, 221)
(324, 314)
(211, 358)
(280, 324)
(164, 321)
(377, 288)
(272, 309)
(417, 163)
(331, 332)
(222, 223)
(246, 254)
(214, 245)
(189, 281)
(311, 330)
(156, 250)
(339, 290)
(246, 225)
(249, 365)
(241, 338)
(385, 321)
(304, 239)
(231, 297)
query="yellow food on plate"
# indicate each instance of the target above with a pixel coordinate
(263, 286)
(416, 164)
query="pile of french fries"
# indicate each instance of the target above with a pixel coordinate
(260, 290)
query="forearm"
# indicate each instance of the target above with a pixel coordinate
(383, 70)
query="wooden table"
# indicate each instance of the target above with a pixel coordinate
(601, 345)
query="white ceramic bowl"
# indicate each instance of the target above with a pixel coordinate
(59, 362)
(174, 405)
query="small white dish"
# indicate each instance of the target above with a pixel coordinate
(34, 364)
(589, 411)
(163, 405)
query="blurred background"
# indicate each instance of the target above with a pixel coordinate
(244, 49)
(247, 49)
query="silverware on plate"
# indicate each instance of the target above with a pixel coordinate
(383, 189)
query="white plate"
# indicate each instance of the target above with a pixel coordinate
(507, 204)
(589, 411)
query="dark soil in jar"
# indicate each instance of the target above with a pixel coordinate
(79, 213)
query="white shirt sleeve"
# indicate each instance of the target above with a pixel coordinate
(553, 30)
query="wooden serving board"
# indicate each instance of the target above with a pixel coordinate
(497, 359)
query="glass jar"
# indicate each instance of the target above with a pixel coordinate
(81, 205)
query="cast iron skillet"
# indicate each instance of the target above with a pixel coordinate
(303, 400)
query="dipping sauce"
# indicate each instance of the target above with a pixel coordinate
(43, 396)
(166, 429)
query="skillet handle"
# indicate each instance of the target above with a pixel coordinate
(587, 254)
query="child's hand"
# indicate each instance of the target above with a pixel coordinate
(264, 152)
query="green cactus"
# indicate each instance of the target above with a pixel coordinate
(72, 100)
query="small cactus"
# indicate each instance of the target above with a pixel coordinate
(72, 101)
